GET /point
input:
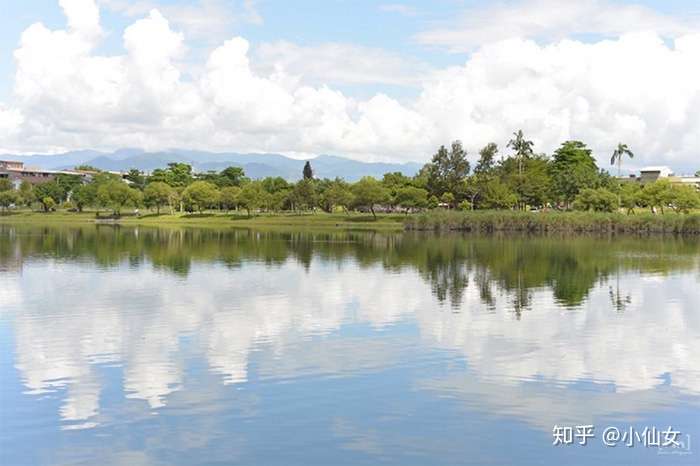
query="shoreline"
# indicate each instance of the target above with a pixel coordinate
(484, 222)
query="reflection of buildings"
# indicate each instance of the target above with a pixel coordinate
(230, 315)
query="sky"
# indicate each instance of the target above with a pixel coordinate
(370, 80)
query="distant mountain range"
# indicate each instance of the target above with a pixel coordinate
(255, 165)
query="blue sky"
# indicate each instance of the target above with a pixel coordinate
(387, 67)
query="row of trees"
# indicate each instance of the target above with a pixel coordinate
(522, 179)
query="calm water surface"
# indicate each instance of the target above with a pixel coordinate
(149, 347)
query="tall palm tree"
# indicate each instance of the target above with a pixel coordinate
(618, 154)
(522, 148)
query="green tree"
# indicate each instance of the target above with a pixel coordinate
(410, 197)
(86, 168)
(84, 195)
(447, 170)
(137, 179)
(116, 195)
(497, 195)
(529, 179)
(629, 196)
(229, 197)
(9, 198)
(273, 184)
(177, 175)
(338, 194)
(26, 192)
(572, 170)
(684, 198)
(368, 192)
(201, 195)
(449, 199)
(252, 196)
(68, 184)
(657, 194)
(48, 203)
(157, 194)
(232, 176)
(522, 148)
(308, 171)
(487, 159)
(599, 200)
(620, 151)
(51, 190)
(6, 184)
(304, 194)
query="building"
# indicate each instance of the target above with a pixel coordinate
(17, 173)
(652, 174)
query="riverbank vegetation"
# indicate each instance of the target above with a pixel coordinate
(559, 222)
(513, 184)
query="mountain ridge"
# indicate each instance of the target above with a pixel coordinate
(255, 165)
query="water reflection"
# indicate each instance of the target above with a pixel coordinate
(506, 325)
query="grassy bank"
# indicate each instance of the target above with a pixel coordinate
(544, 222)
(437, 220)
(392, 222)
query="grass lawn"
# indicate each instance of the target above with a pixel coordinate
(320, 220)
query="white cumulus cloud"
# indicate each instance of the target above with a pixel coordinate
(637, 88)
(550, 20)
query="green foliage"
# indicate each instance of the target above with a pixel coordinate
(85, 195)
(48, 203)
(87, 168)
(158, 195)
(308, 171)
(200, 195)
(629, 193)
(68, 183)
(657, 194)
(136, 178)
(49, 190)
(565, 222)
(229, 197)
(177, 175)
(521, 146)
(304, 194)
(9, 198)
(6, 184)
(232, 176)
(620, 151)
(572, 170)
(369, 192)
(447, 170)
(116, 195)
(337, 194)
(449, 199)
(26, 192)
(274, 184)
(529, 179)
(252, 196)
(684, 198)
(433, 202)
(498, 195)
(487, 159)
(599, 200)
(410, 197)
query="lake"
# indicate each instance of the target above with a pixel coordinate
(143, 346)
